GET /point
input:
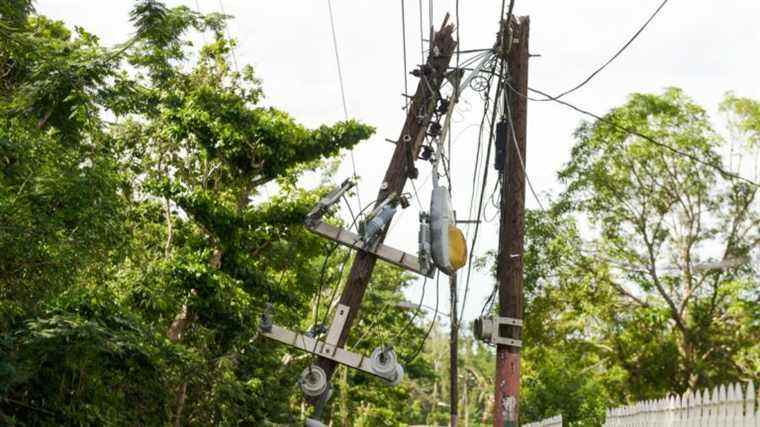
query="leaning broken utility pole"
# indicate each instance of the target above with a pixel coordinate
(511, 234)
(419, 113)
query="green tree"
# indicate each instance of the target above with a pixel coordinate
(639, 278)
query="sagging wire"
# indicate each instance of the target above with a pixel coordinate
(355, 220)
(432, 323)
(342, 91)
(484, 182)
(403, 43)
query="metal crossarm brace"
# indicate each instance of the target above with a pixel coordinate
(326, 348)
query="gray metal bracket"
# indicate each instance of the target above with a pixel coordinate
(487, 329)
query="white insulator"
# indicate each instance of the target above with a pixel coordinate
(313, 381)
(383, 362)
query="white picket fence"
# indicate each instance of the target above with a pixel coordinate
(555, 421)
(724, 406)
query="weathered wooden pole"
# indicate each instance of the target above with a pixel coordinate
(511, 233)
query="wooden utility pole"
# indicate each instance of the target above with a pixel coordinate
(511, 234)
(453, 347)
(419, 113)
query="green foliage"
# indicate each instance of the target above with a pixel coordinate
(632, 307)
(85, 361)
(134, 263)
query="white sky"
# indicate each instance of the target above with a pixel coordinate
(703, 46)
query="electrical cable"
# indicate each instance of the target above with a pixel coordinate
(629, 131)
(483, 188)
(430, 12)
(337, 283)
(203, 33)
(416, 195)
(342, 90)
(403, 330)
(480, 141)
(342, 267)
(432, 323)
(403, 42)
(519, 155)
(334, 292)
(459, 39)
(408, 324)
(615, 56)
(232, 45)
(327, 258)
(422, 37)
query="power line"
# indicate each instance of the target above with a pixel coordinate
(609, 61)
(519, 156)
(417, 311)
(430, 17)
(232, 44)
(329, 254)
(403, 41)
(432, 323)
(337, 59)
(459, 39)
(629, 131)
(422, 37)
(203, 33)
(484, 183)
(342, 89)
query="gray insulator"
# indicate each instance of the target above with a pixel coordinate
(383, 362)
(398, 376)
(378, 223)
(311, 422)
(266, 323)
(313, 381)
(424, 252)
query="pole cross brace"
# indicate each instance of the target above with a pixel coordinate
(486, 328)
(326, 348)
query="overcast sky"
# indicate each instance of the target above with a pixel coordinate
(706, 47)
